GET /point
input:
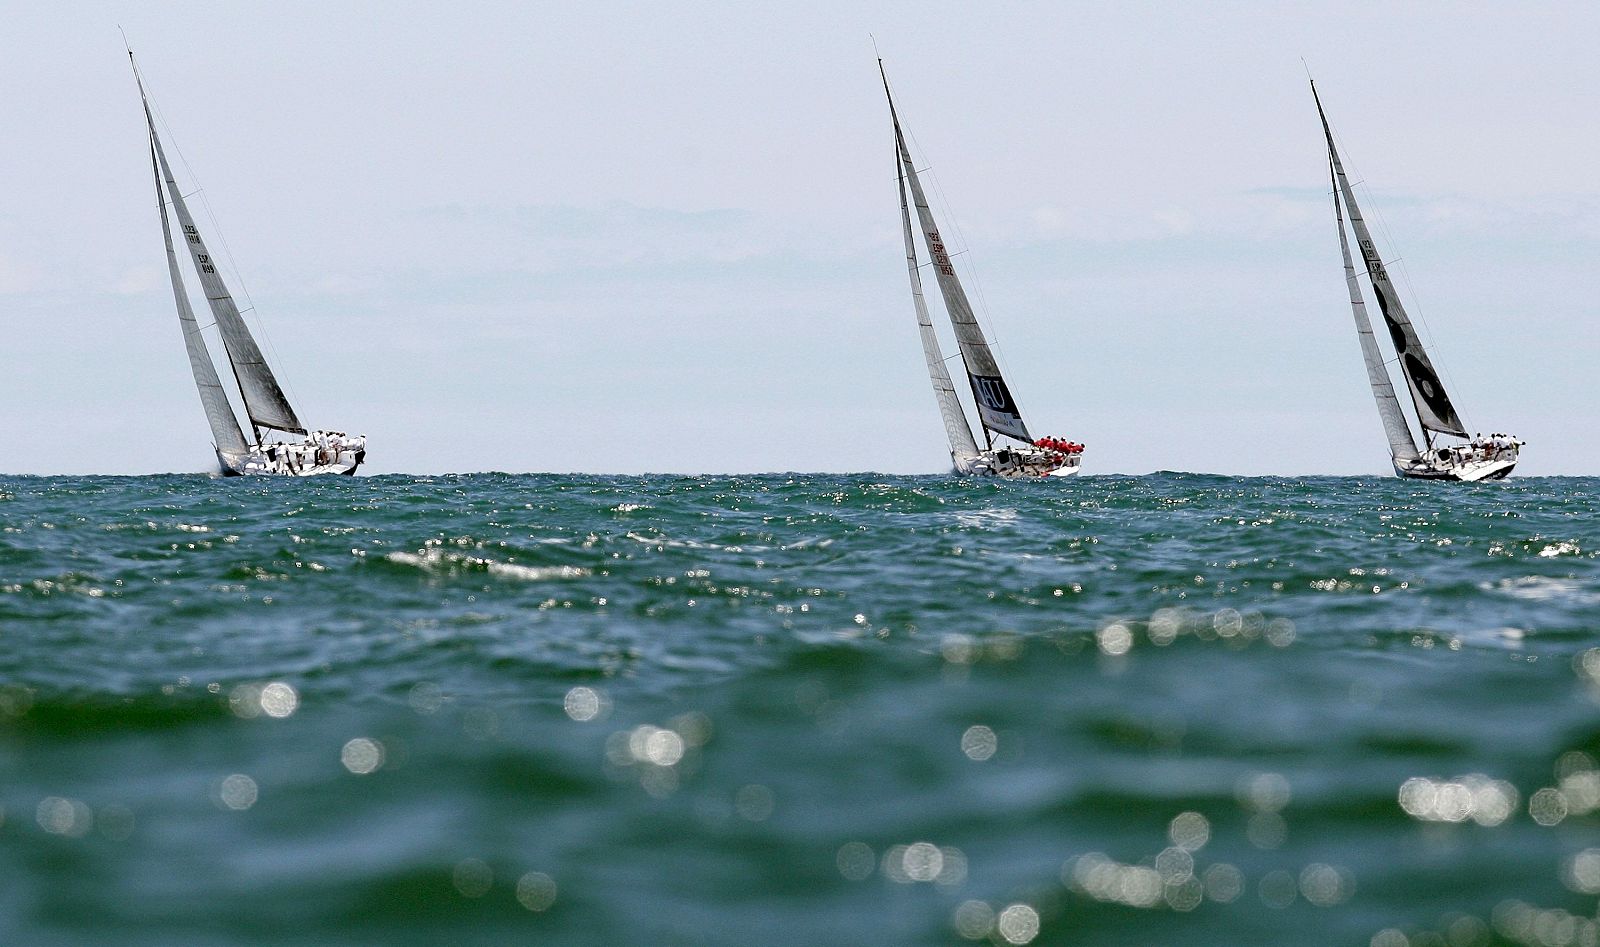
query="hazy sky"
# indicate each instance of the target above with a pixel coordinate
(665, 236)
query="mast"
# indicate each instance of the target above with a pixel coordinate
(956, 428)
(997, 410)
(225, 434)
(1401, 444)
(264, 401)
(1432, 403)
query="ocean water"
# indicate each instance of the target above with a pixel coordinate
(775, 710)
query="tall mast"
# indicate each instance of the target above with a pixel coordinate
(957, 431)
(264, 400)
(225, 433)
(1428, 397)
(997, 410)
(1395, 428)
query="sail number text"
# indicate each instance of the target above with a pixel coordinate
(941, 258)
(1374, 262)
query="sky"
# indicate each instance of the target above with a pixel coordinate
(664, 237)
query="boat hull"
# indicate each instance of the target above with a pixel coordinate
(1019, 464)
(1472, 472)
(256, 464)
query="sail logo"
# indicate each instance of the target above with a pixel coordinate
(992, 394)
(192, 234)
(204, 259)
(1426, 384)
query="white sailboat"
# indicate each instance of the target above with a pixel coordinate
(316, 452)
(1470, 459)
(1022, 455)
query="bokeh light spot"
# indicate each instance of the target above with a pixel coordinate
(536, 891)
(979, 743)
(61, 816)
(1018, 924)
(582, 704)
(1189, 831)
(279, 699)
(974, 920)
(238, 792)
(362, 756)
(1114, 639)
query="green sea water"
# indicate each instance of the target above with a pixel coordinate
(796, 710)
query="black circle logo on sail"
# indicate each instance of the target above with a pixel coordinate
(1428, 388)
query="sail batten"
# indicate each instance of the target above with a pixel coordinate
(1434, 409)
(264, 400)
(1401, 445)
(997, 409)
(959, 433)
(225, 433)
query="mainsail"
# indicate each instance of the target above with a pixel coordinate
(962, 445)
(1434, 409)
(1401, 445)
(996, 408)
(264, 400)
(225, 431)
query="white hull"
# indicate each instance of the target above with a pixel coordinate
(302, 461)
(1476, 468)
(259, 470)
(1019, 463)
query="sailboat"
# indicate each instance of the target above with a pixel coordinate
(1021, 455)
(1469, 459)
(266, 406)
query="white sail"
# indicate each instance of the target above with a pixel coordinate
(264, 400)
(996, 408)
(1401, 444)
(225, 433)
(1434, 409)
(962, 445)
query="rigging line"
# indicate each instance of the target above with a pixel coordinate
(1440, 363)
(913, 142)
(993, 334)
(261, 325)
(951, 256)
(949, 214)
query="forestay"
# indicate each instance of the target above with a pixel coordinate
(263, 399)
(225, 431)
(1401, 445)
(962, 445)
(996, 408)
(1434, 409)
